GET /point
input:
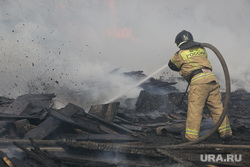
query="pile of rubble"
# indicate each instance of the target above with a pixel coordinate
(34, 133)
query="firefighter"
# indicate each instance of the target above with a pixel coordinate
(192, 64)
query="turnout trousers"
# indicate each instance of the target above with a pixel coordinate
(200, 95)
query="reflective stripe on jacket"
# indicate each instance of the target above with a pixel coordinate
(186, 61)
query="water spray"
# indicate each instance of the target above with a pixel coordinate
(139, 83)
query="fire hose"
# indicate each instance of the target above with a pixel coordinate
(226, 101)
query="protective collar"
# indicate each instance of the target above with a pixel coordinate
(189, 44)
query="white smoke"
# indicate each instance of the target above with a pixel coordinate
(69, 47)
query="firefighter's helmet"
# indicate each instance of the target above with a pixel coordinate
(183, 37)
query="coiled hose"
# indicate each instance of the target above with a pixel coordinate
(226, 101)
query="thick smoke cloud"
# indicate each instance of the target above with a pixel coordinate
(69, 47)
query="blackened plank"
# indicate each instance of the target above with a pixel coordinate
(85, 125)
(29, 104)
(51, 124)
(105, 111)
(101, 137)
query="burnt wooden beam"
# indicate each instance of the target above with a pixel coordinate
(4, 142)
(207, 146)
(101, 137)
(111, 125)
(114, 147)
(133, 127)
(105, 161)
(51, 124)
(42, 159)
(5, 117)
(125, 121)
(76, 161)
(87, 126)
(105, 111)
(28, 103)
(137, 146)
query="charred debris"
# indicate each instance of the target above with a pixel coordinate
(34, 133)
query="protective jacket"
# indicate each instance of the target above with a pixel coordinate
(188, 60)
